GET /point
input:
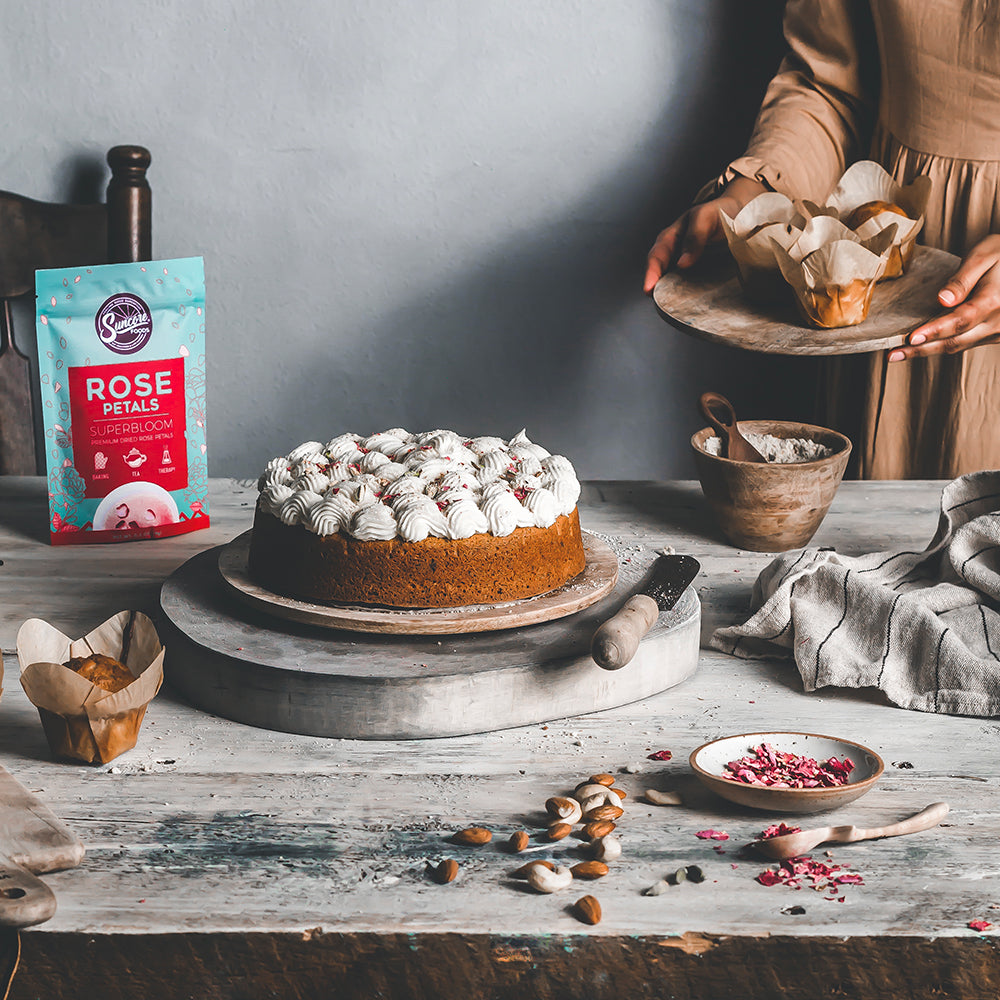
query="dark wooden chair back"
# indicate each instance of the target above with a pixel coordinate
(34, 235)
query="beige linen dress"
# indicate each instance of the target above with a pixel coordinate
(916, 86)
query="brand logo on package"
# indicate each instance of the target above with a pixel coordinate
(124, 323)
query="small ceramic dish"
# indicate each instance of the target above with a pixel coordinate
(709, 762)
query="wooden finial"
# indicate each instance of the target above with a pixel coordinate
(130, 227)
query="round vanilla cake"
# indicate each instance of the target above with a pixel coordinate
(416, 520)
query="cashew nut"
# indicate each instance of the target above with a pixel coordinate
(566, 810)
(662, 798)
(543, 880)
(606, 848)
(587, 789)
(604, 797)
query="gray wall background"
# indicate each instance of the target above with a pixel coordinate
(425, 214)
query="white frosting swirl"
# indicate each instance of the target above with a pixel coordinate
(330, 515)
(294, 509)
(415, 486)
(374, 524)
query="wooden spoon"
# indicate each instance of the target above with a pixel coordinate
(734, 444)
(793, 845)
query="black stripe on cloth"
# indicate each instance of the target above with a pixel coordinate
(819, 648)
(888, 633)
(937, 670)
(895, 555)
(784, 628)
(961, 569)
(784, 575)
(965, 503)
(986, 632)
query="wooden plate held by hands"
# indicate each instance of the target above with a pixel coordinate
(707, 301)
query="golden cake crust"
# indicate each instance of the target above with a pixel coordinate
(433, 573)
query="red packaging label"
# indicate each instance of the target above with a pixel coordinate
(129, 424)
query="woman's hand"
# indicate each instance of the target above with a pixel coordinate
(683, 242)
(973, 298)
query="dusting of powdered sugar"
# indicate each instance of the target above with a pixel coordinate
(776, 449)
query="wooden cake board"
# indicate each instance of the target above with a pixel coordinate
(707, 301)
(597, 579)
(231, 659)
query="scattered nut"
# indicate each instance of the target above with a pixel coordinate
(559, 830)
(620, 792)
(590, 869)
(652, 796)
(602, 779)
(607, 848)
(476, 835)
(524, 870)
(603, 812)
(549, 879)
(518, 841)
(568, 810)
(444, 872)
(587, 909)
(657, 889)
(588, 790)
(597, 829)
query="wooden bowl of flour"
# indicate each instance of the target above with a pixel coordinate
(772, 506)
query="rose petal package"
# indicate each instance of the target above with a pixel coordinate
(121, 360)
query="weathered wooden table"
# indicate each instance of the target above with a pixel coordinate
(225, 861)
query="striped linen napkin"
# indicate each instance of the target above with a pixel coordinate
(922, 626)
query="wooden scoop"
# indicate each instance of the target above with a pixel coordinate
(793, 845)
(734, 444)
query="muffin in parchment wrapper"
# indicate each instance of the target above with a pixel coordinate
(765, 220)
(832, 273)
(80, 719)
(863, 200)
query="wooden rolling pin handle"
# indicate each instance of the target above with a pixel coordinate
(24, 899)
(616, 641)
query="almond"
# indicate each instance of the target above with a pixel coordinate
(602, 779)
(476, 835)
(523, 871)
(587, 909)
(561, 808)
(518, 841)
(444, 872)
(598, 828)
(620, 792)
(559, 830)
(590, 869)
(604, 812)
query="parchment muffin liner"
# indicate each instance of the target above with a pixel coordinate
(833, 272)
(768, 219)
(81, 720)
(867, 181)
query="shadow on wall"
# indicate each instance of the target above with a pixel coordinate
(551, 330)
(558, 316)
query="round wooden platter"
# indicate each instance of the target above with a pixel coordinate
(232, 660)
(708, 302)
(590, 586)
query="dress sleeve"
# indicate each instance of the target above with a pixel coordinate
(817, 113)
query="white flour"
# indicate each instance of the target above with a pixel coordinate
(776, 449)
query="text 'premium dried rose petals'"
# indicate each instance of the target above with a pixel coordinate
(777, 769)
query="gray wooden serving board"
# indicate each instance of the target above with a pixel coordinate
(241, 664)
(707, 301)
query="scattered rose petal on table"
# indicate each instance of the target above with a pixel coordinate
(660, 755)
(712, 835)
